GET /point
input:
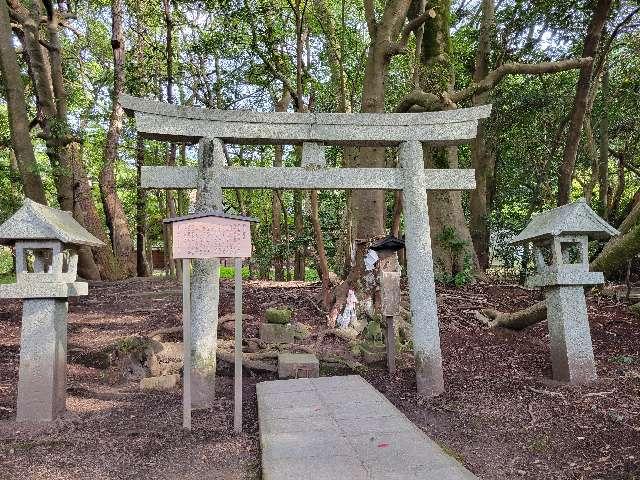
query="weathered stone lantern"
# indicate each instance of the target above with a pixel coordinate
(46, 242)
(560, 239)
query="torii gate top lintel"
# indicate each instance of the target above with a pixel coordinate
(163, 121)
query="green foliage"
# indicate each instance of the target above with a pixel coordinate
(133, 345)
(373, 332)
(229, 273)
(462, 270)
(6, 261)
(625, 359)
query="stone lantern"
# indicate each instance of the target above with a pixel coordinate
(560, 239)
(46, 242)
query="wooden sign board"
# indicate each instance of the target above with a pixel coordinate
(390, 293)
(211, 237)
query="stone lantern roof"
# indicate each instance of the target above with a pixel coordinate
(575, 218)
(34, 221)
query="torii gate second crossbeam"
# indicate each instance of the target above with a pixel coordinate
(210, 128)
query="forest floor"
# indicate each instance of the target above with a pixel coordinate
(501, 415)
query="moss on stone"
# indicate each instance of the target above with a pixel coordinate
(281, 316)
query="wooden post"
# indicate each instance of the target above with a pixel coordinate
(186, 342)
(237, 409)
(390, 304)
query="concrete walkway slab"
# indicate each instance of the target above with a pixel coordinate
(342, 428)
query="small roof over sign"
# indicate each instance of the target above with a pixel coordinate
(388, 243)
(576, 218)
(34, 221)
(213, 213)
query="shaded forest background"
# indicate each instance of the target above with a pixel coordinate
(563, 78)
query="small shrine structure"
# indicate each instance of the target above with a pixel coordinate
(210, 235)
(560, 239)
(46, 241)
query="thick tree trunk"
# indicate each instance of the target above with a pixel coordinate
(565, 177)
(17, 110)
(54, 127)
(482, 155)
(45, 69)
(445, 207)
(86, 213)
(368, 207)
(114, 211)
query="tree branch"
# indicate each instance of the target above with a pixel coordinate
(274, 71)
(409, 28)
(429, 101)
(369, 13)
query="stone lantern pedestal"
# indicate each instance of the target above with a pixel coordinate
(572, 357)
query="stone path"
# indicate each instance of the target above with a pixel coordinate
(333, 428)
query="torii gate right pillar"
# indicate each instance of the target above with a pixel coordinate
(422, 287)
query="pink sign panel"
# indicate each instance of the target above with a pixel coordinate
(211, 237)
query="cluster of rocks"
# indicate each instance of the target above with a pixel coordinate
(164, 362)
(279, 329)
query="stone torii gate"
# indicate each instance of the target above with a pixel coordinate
(210, 128)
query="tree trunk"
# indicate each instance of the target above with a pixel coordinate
(86, 213)
(368, 206)
(482, 156)
(17, 111)
(445, 207)
(54, 127)
(322, 255)
(45, 69)
(114, 211)
(175, 265)
(142, 266)
(603, 163)
(298, 221)
(276, 218)
(565, 177)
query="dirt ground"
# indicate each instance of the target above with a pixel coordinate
(501, 414)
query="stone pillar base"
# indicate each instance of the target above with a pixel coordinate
(43, 360)
(571, 348)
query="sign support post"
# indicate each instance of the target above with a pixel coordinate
(237, 406)
(186, 342)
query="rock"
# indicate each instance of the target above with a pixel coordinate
(231, 317)
(615, 416)
(274, 333)
(170, 352)
(301, 331)
(280, 316)
(298, 365)
(162, 382)
(373, 352)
